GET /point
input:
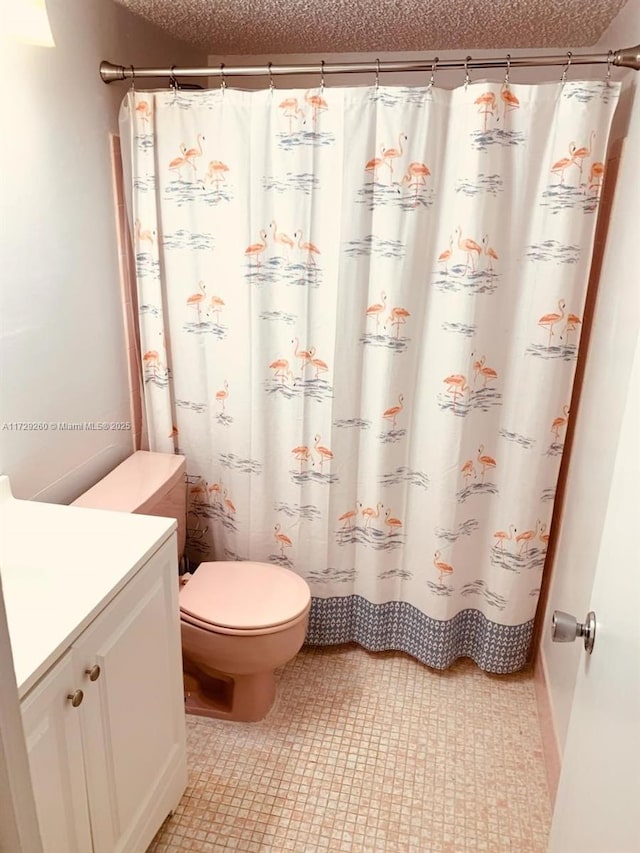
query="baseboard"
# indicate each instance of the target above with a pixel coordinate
(550, 748)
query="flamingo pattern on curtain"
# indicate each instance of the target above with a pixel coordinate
(360, 310)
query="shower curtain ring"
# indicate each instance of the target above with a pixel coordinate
(506, 75)
(223, 82)
(271, 83)
(377, 74)
(133, 78)
(467, 76)
(563, 79)
(609, 62)
(432, 79)
(322, 75)
(173, 83)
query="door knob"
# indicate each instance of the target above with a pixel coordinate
(565, 628)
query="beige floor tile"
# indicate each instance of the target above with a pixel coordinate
(369, 752)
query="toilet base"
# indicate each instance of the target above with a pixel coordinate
(243, 698)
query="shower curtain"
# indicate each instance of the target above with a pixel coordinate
(360, 310)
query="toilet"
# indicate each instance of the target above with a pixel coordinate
(239, 620)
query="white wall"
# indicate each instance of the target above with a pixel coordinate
(614, 335)
(62, 347)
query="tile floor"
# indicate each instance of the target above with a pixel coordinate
(369, 752)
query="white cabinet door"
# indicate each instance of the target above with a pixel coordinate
(133, 723)
(54, 746)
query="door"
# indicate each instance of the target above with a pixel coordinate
(54, 747)
(133, 724)
(596, 806)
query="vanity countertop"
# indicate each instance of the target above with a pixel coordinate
(59, 566)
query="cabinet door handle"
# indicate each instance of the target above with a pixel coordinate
(76, 698)
(93, 673)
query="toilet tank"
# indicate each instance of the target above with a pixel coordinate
(146, 483)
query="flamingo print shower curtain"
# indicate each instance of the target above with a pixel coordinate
(360, 310)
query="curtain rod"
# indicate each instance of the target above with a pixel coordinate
(628, 57)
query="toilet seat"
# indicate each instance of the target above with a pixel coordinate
(243, 598)
(209, 628)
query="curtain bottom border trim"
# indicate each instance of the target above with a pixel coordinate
(400, 626)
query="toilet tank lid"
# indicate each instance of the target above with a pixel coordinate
(244, 595)
(135, 483)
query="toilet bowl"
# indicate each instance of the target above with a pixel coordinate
(239, 620)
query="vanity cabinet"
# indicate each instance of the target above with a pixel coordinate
(91, 598)
(105, 726)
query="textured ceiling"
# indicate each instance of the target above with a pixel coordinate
(332, 26)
